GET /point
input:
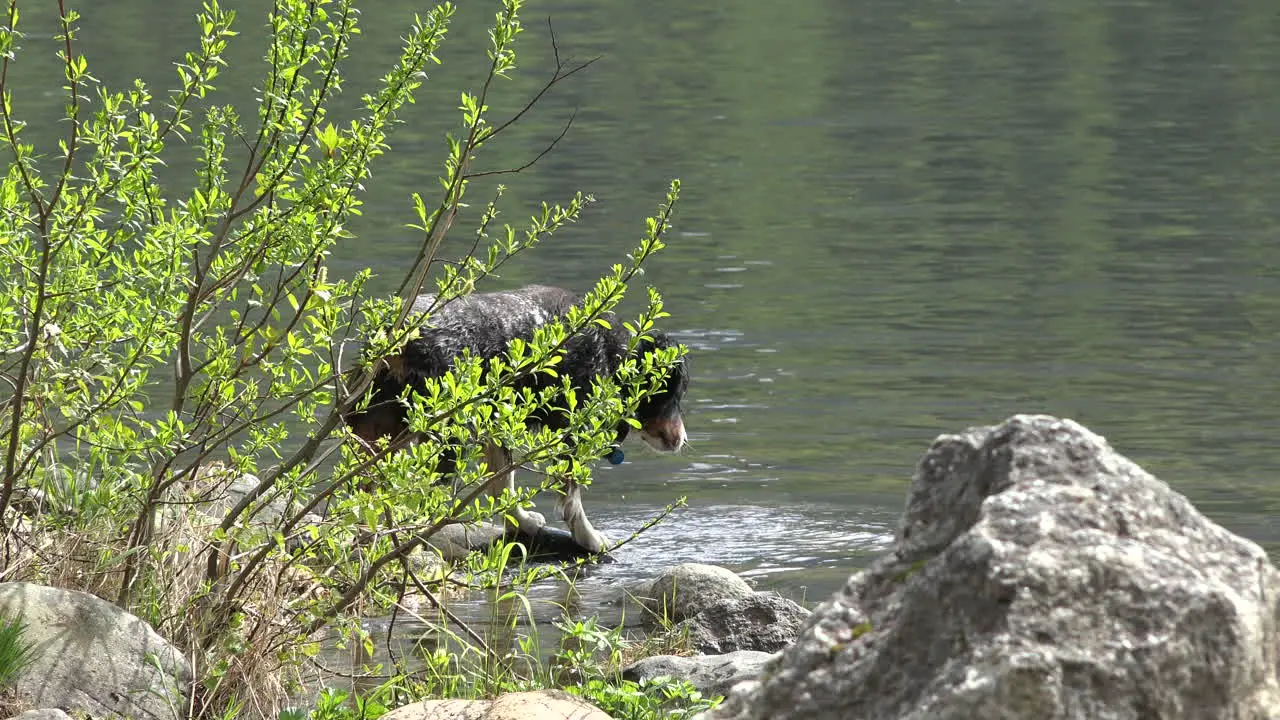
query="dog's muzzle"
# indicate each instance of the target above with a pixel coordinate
(666, 434)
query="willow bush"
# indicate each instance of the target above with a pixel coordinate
(165, 341)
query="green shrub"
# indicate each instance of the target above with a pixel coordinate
(164, 340)
(595, 656)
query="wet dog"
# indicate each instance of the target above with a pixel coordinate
(485, 324)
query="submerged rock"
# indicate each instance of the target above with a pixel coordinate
(1038, 574)
(761, 621)
(455, 541)
(94, 658)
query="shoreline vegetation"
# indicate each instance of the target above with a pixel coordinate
(176, 357)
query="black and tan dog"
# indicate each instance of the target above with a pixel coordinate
(485, 324)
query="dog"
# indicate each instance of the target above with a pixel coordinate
(485, 324)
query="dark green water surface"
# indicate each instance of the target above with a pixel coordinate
(899, 219)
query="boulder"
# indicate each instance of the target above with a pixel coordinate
(203, 501)
(687, 589)
(1038, 573)
(92, 657)
(455, 541)
(216, 488)
(533, 705)
(712, 675)
(761, 621)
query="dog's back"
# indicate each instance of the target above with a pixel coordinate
(485, 324)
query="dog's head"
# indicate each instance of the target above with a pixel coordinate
(384, 416)
(660, 414)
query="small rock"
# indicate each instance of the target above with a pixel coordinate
(29, 501)
(427, 564)
(687, 589)
(231, 487)
(204, 500)
(42, 714)
(533, 705)
(93, 657)
(1038, 573)
(712, 675)
(762, 621)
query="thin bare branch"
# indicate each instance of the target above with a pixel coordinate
(564, 131)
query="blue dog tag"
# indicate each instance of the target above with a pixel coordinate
(615, 456)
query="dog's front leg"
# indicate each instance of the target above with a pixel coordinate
(528, 521)
(584, 533)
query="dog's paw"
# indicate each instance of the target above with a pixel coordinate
(593, 542)
(532, 522)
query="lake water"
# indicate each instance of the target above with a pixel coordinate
(899, 219)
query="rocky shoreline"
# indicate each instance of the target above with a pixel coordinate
(1036, 573)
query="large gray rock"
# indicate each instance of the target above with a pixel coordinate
(761, 621)
(1038, 574)
(712, 675)
(93, 657)
(687, 589)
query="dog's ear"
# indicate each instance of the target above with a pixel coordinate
(655, 340)
(669, 396)
(659, 340)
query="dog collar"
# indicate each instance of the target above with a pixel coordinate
(615, 456)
